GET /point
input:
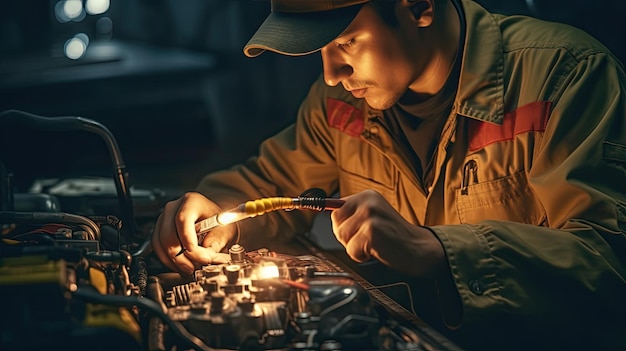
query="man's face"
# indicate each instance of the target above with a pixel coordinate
(371, 60)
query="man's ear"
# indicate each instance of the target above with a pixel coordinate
(422, 10)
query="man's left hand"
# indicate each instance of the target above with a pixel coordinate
(369, 227)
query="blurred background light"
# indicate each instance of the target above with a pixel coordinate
(59, 12)
(104, 27)
(83, 37)
(73, 9)
(97, 7)
(76, 47)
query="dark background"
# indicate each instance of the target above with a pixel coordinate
(168, 78)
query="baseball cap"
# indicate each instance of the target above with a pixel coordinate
(301, 27)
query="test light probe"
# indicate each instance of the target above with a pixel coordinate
(312, 199)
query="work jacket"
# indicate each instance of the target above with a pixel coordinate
(528, 196)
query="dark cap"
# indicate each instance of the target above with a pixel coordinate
(301, 27)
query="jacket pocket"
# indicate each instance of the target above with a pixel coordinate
(508, 199)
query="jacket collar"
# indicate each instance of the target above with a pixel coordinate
(480, 93)
(481, 84)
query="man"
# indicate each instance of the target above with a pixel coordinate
(481, 153)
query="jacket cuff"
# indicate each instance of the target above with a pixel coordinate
(473, 274)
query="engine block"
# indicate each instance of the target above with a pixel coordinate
(263, 300)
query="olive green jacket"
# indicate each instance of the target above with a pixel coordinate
(529, 190)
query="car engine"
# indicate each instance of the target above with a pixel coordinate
(83, 280)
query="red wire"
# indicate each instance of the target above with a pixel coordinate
(296, 285)
(332, 204)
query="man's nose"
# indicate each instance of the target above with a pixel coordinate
(335, 68)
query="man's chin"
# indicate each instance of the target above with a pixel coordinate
(379, 104)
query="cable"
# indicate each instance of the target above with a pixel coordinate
(130, 301)
(408, 288)
(52, 217)
(73, 123)
(294, 284)
(261, 206)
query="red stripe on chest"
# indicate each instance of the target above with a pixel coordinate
(344, 117)
(532, 117)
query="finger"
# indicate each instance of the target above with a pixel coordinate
(344, 227)
(167, 247)
(194, 207)
(343, 212)
(218, 238)
(358, 248)
(205, 255)
(186, 216)
(182, 263)
(338, 219)
(212, 243)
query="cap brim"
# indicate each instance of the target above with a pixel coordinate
(297, 34)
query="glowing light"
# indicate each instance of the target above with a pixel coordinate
(268, 271)
(228, 217)
(96, 7)
(73, 9)
(83, 37)
(76, 47)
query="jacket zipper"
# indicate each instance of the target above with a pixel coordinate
(368, 136)
(469, 169)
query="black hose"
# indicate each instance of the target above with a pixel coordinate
(73, 123)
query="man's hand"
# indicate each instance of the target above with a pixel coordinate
(369, 227)
(176, 227)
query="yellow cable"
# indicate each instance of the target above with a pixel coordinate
(261, 206)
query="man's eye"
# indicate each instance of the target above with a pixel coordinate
(347, 44)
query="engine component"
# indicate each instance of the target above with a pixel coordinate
(40, 280)
(263, 300)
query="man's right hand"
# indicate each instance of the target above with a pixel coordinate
(175, 230)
